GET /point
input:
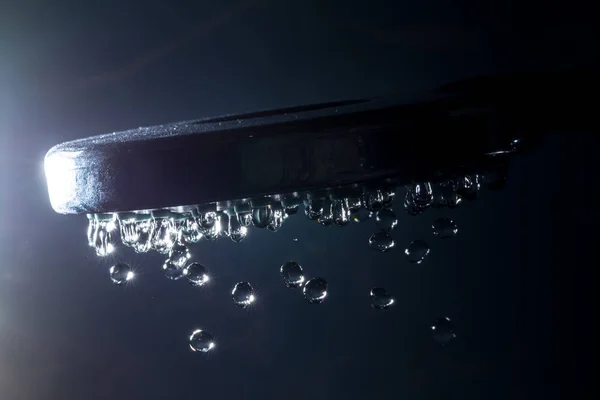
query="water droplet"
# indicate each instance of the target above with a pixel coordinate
(128, 233)
(444, 228)
(381, 241)
(388, 198)
(373, 200)
(191, 231)
(276, 220)
(341, 212)
(121, 273)
(315, 290)
(179, 254)
(243, 294)
(422, 194)
(173, 271)
(261, 216)
(92, 223)
(361, 215)
(245, 218)
(416, 251)
(295, 239)
(386, 220)
(222, 224)
(354, 204)
(443, 331)
(292, 274)
(467, 187)
(196, 274)
(381, 299)
(207, 220)
(326, 218)
(237, 232)
(104, 236)
(202, 341)
(450, 195)
(144, 230)
(165, 235)
(313, 208)
(291, 210)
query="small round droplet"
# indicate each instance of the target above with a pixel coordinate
(416, 251)
(381, 241)
(243, 294)
(121, 273)
(295, 239)
(292, 274)
(196, 274)
(386, 220)
(444, 228)
(172, 271)
(381, 299)
(315, 290)
(179, 254)
(443, 331)
(202, 341)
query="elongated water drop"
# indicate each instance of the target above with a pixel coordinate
(381, 299)
(243, 294)
(381, 241)
(416, 251)
(196, 274)
(315, 290)
(292, 274)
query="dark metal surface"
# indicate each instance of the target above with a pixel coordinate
(463, 126)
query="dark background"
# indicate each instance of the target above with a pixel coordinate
(513, 280)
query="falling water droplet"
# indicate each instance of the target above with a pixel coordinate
(243, 294)
(295, 239)
(173, 271)
(386, 220)
(444, 228)
(179, 254)
(381, 299)
(121, 273)
(381, 241)
(443, 331)
(416, 251)
(202, 341)
(292, 274)
(196, 274)
(315, 290)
